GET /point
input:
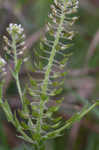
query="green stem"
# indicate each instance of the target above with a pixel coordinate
(19, 87)
(16, 73)
(40, 147)
(49, 67)
(69, 123)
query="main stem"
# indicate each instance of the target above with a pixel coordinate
(16, 73)
(47, 73)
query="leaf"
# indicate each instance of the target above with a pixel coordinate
(46, 127)
(18, 66)
(63, 74)
(17, 124)
(44, 97)
(59, 101)
(57, 119)
(26, 138)
(56, 125)
(24, 115)
(13, 73)
(51, 135)
(35, 113)
(24, 125)
(7, 111)
(53, 108)
(31, 92)
(48, 114)
(33, 82)
(58, 91)
(30, 124)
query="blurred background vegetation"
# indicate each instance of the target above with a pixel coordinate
(82, 82)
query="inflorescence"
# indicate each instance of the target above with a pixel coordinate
(16, 33)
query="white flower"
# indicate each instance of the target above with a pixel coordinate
(17, 35)
(15, 30)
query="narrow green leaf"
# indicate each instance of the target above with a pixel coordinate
(56, 125)
(26, 138)
(13, 73)
(24, 125)
(7, 111)
(18, 66)
(53, 108)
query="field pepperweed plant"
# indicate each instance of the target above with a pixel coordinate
(39, 122)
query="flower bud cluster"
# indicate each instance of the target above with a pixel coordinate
(17, 35)
(15, 30)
